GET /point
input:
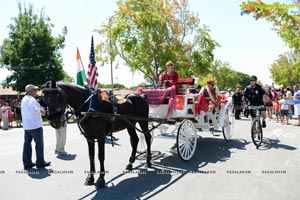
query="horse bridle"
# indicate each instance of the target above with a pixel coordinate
(64, 103)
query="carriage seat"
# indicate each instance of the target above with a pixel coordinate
(185, 84)
(186, 81)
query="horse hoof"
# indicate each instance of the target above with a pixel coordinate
(89, 181)
(128, 167)
(100, 183)
(148, 165)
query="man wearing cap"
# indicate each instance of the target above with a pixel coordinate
(255, 95)
(33, 127)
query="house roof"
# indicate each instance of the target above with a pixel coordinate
(7, 91)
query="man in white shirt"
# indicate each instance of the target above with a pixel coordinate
(33, 127)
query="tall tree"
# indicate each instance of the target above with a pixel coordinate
(146, 34)
(31, 53)
(286, 70)
(286, 22)
(285, 18)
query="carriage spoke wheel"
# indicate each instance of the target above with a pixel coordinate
(142, 145)
(228, 126)
(256, 133)
(186, 140)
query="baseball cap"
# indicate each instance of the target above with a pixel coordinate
(30, 87)
(253, 78)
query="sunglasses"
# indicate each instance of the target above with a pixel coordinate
(252, 80)
(169, 65)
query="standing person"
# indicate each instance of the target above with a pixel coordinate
(276, 108)
(18, 117)
(61, 136)
(0, 115)
(33, 128)
(5, 109)
(269, 104)
(237, 99)
(255, 95)
(289, 97)
(284, 109)
(170, 77)
(296, 103)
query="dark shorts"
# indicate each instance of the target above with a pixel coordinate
(252, 112)
(284, 112)
(269, 104)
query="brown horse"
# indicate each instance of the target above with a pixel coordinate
(97, 127)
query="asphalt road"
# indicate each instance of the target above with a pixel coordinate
(218, 170)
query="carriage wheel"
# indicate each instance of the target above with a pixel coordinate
(142, 146)
(228, 126)
(256, 133)
(186, 140)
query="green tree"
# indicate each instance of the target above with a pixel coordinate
(225, 77)
(286, 70)
(285, 23)
(146, 34)
(31, 53)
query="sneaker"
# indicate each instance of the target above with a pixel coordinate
(61, 153)
(264, 125)
(29, 166)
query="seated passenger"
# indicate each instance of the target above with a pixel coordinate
(211, 94)
(170, 77)
(209, 103)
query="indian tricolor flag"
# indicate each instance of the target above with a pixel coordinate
(80, 78)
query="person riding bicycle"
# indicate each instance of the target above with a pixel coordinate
(255, 95)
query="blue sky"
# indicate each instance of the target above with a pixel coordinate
(249, 46)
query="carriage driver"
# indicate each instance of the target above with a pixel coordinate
(170, 77)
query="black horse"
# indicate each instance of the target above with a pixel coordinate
(97, 126)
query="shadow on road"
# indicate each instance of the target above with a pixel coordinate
(274, 144)
(38, 173)
(135, 187)
(167, 170)
(209, 150)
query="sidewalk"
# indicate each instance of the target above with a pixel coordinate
(292, 121)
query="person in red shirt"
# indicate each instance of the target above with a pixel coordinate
(170, 77)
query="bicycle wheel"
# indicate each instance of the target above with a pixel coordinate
(256, 133)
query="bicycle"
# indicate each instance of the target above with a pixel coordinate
(256, 127)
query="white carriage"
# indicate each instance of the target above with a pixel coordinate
(182, 110)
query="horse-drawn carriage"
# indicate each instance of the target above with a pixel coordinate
(98, 118)
(185, 111)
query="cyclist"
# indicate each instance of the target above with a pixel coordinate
(255, 95)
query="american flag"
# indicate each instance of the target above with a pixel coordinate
(92, 69)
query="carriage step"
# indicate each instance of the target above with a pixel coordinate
(214, 132)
